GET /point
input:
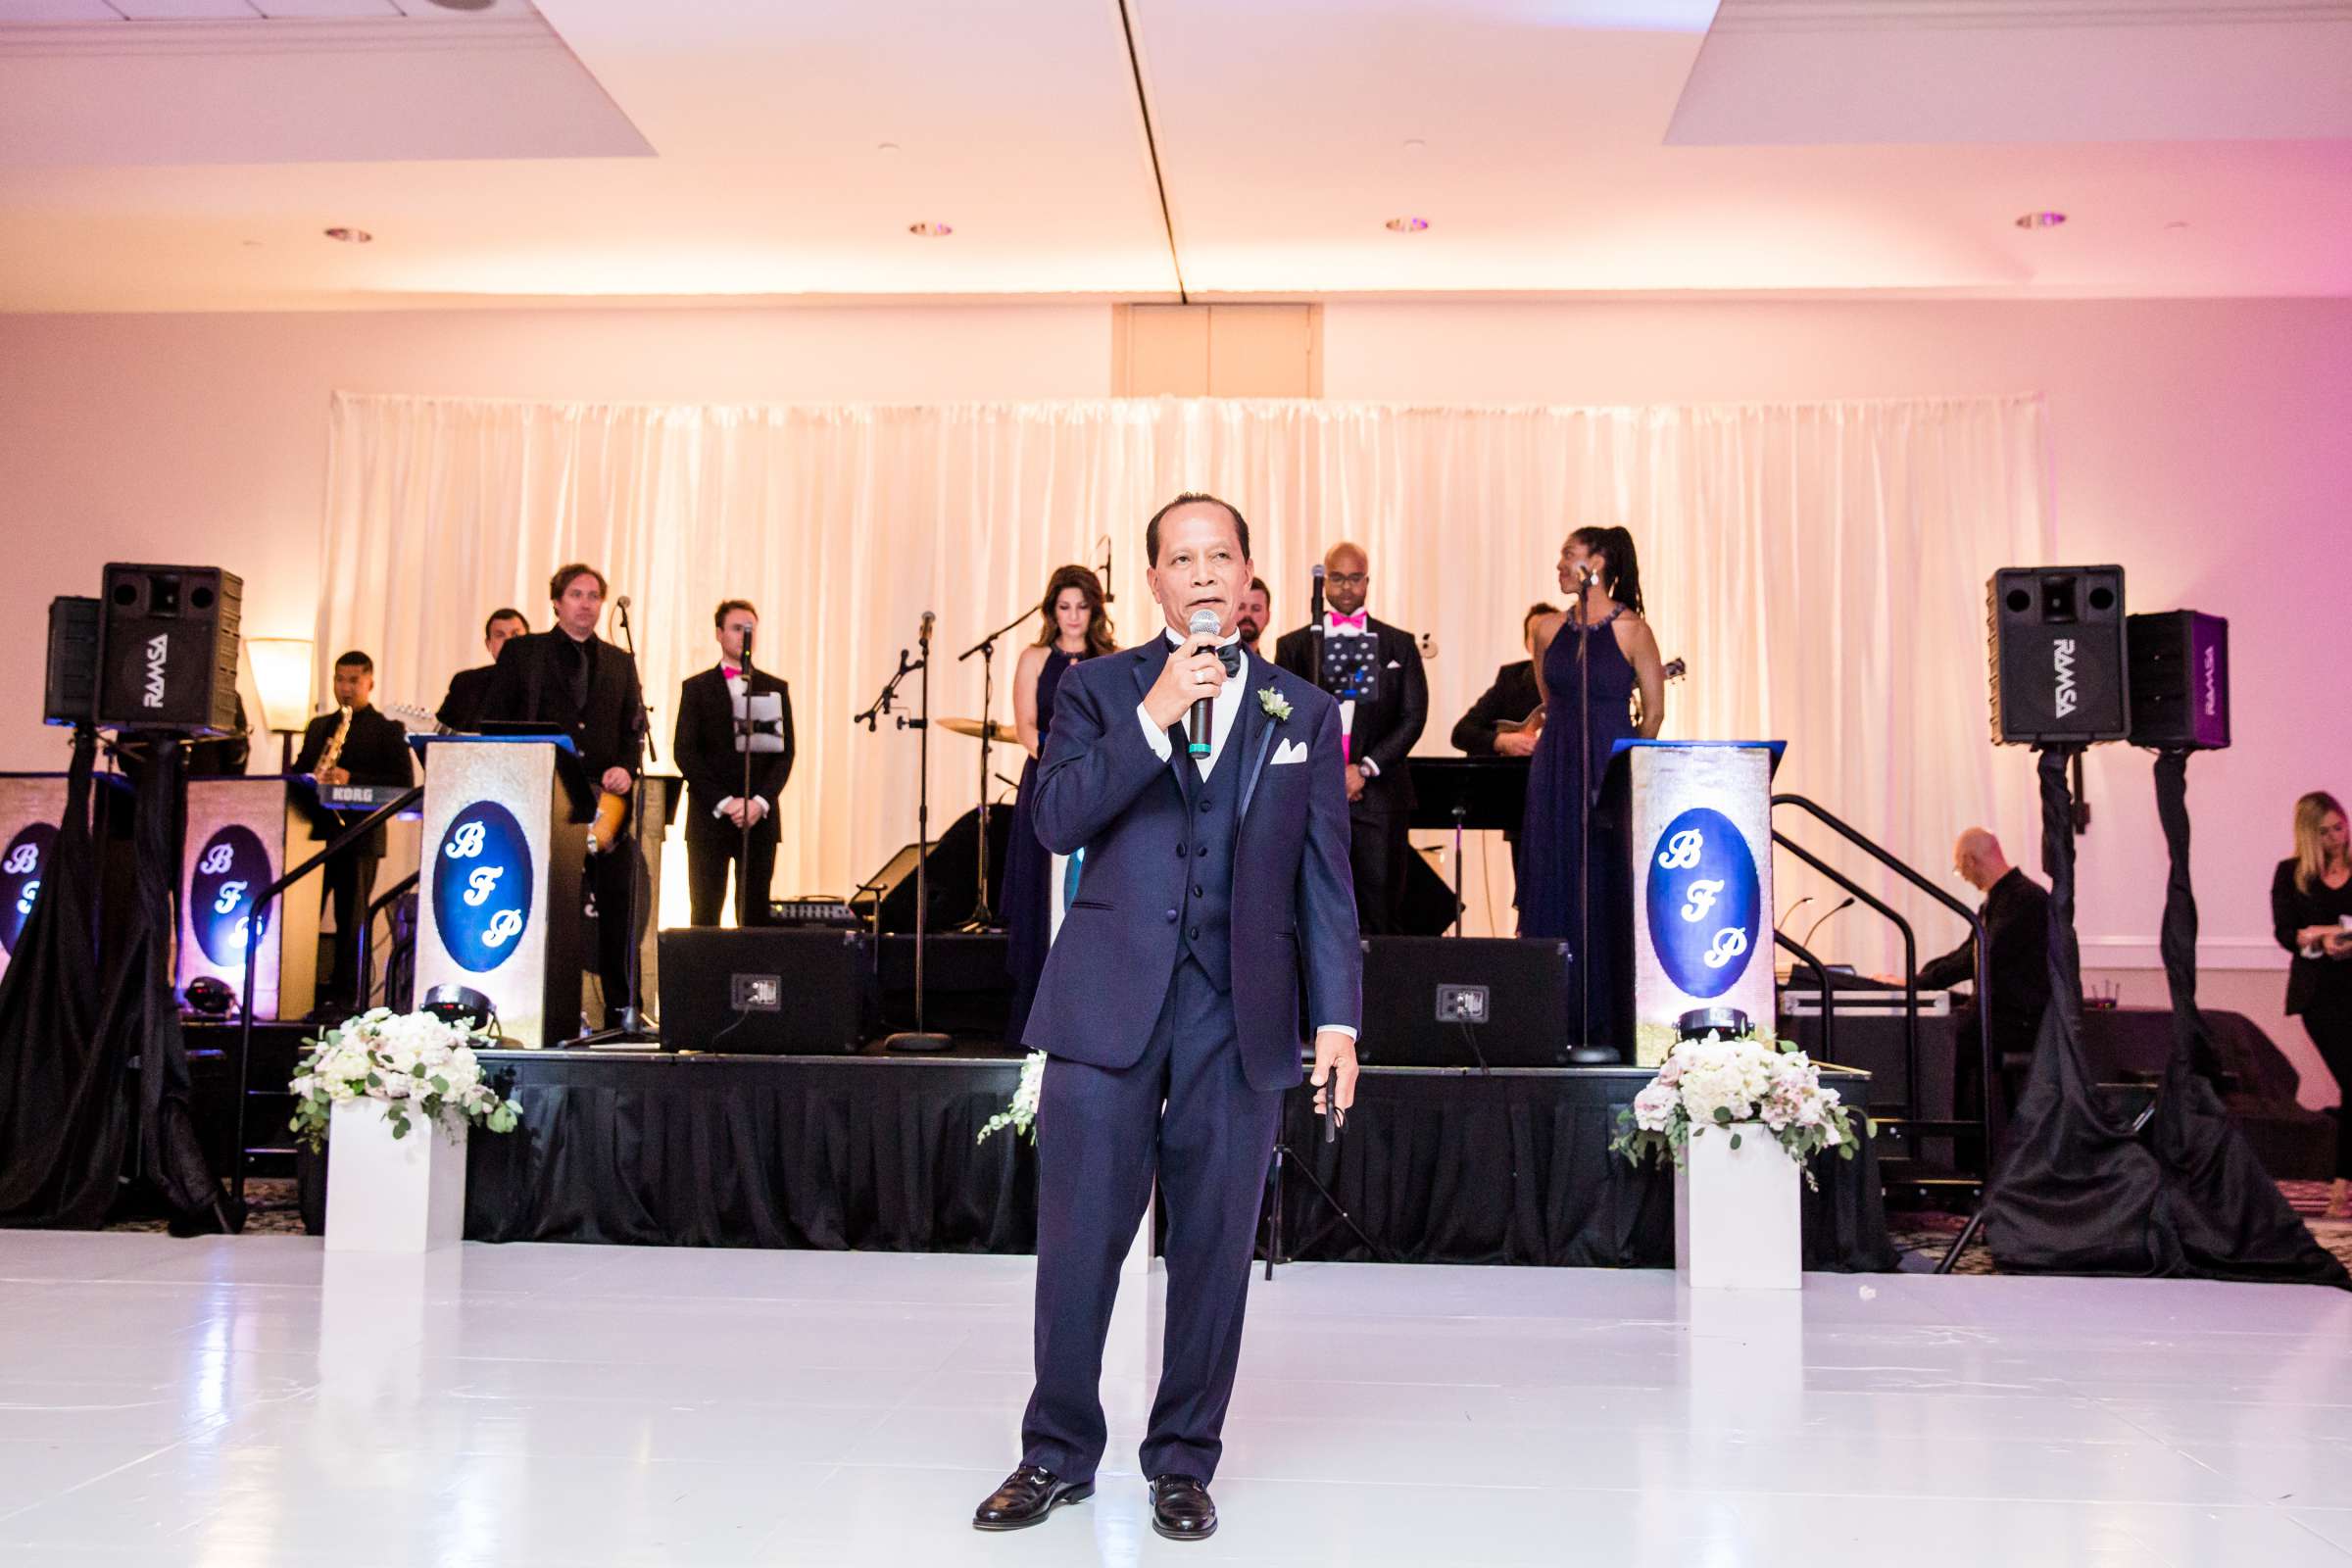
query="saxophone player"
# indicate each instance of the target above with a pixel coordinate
(352, 745)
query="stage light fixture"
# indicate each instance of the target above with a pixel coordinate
(2041, 220)
(1407, 225)
(1731, 1023)
(208, 996)
(461, 1007)
(350, 236)
(930, 230)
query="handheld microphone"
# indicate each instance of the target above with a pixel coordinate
(1825, 919)
(1203, 722)
(745, 658)
(1108, 597)
(924, 636)
(1315, 600)
(622, 604)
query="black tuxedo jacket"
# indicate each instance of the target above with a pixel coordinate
(704, 745)
(461, 707)
(1103, 789)
(1385, 727)
(533, 682)
(375, 752)
(1513, 696)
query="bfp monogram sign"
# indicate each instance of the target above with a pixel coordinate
(482, 886)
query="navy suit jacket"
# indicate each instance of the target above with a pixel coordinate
(1101, 788)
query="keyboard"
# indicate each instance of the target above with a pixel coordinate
(360, 796)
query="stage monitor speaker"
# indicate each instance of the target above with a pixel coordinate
(2054, 647)
(167, 649)
(953, 876)
(1449, 1001)
(2180, 667)
(71, 693)
(766, 991)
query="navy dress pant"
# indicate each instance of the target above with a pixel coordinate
(1186, 1114)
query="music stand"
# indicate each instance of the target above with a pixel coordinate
(1487, 793)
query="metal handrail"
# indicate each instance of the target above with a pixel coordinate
(350, 835)
(1864, 896)
(1984, 987)
(391, 897)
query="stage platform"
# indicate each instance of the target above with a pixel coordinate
(879, 1154)
(252, 1401)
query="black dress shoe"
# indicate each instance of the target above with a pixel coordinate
(1181, 1509)
(1027, 1495)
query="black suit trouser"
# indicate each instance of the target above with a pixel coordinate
(613, 881)
(1376, 849)
(712, 847)
(1186, 1114)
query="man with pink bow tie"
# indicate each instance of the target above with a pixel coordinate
(718, 809)
(1375, 671)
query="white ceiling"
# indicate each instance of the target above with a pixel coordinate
(622, 149)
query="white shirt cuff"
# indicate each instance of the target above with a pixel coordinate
(1153, 733)
(1338, 1029)
(721, 809)
(1371, 769)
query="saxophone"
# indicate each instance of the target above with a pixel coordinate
(334, 744)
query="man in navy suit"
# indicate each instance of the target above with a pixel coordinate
(1214, 889)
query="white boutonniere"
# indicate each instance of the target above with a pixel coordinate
(1273, 702)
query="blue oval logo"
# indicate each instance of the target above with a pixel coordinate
(482, 886)
(229, 870)
(1705, 906)
(21, 871)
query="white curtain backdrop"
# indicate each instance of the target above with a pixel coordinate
(1819, 566)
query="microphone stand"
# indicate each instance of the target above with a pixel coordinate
(920, 1038)
(984, 916)
(633, 1030)
(745, 728)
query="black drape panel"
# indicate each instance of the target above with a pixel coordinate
(2074, 1189)
(2220, 1214)
(881, 1155)
(63, 1116)
(1446, 1167)
(140, 1020)
(2077, 1191)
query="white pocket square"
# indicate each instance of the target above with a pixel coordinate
(1396, 665)
(1289, 752)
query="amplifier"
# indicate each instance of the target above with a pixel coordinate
(2054, 649)
(167, 649)
(819, 911)
(2179, 663)
(767, 992)
(1454, 1001)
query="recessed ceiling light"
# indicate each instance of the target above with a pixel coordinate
(351, 237)
(930, 230)
(2042, 220)
(1408, 226)
(887, 147)
(1414, 144)
(2177, 224)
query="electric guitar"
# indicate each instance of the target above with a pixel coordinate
(1675, 670)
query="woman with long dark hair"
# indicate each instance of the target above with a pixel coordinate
(1591, 661)
(1076, 626)
(2310, 914)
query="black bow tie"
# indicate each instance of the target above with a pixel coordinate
(1230, 657)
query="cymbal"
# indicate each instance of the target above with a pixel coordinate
(994, 729)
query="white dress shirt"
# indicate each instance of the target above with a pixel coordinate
(1225, 708)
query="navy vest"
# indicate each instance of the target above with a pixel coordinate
(1213, 816)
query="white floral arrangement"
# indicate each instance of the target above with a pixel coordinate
(417, 1065)
(1020, 1114)
(1715, 1084)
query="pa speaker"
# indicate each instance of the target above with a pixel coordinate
(69, 696)
(1465, 1002)
(2179, 664)
(765, 991)
(953, 878)
(167, 649)
(2054, 650)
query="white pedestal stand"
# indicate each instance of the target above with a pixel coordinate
(387, 1195)
(1736, 1215)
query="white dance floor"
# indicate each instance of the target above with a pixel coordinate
(251, 1402)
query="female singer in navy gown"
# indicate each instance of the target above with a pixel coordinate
(1602, 644)
(1076, 627)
